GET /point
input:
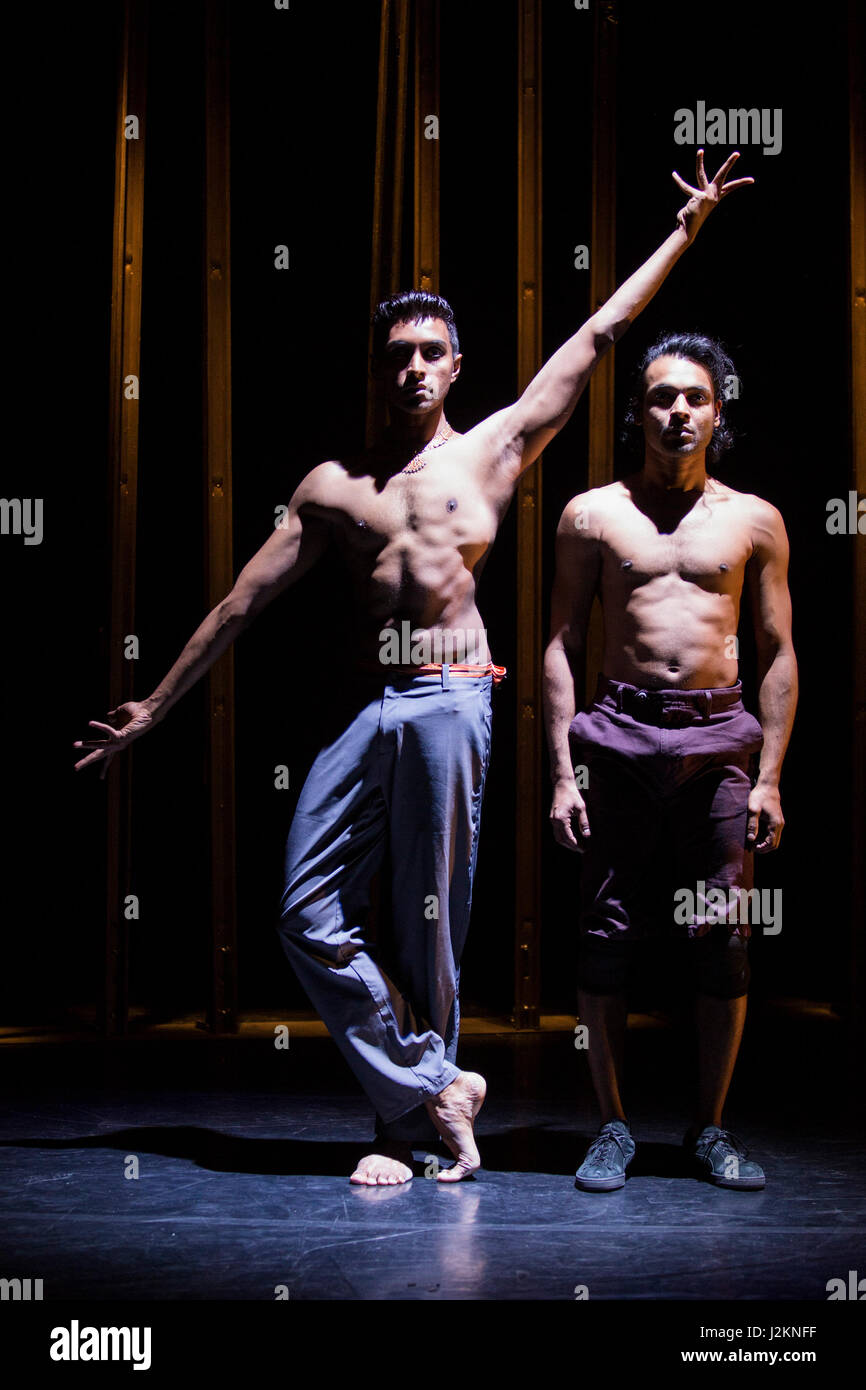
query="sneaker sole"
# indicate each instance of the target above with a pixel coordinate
(744, 1184)
(599, 1184)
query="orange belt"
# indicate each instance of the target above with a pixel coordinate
(435, 669)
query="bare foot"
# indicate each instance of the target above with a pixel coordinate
(385, 1168)
(453, 1112)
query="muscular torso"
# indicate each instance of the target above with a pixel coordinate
(670, 584)
(414, 543)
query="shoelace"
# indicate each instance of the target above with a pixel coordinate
(726, 1136)
(599, 1148)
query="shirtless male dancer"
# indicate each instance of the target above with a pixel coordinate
(666, 744)
(414, 518)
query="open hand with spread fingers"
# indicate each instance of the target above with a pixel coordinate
(707, 195)
(134, 719)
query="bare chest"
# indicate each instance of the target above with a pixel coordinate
(708, 548)
(433, 507)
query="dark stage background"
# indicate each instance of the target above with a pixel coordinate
(767, 275)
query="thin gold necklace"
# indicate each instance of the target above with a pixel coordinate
(420, 459)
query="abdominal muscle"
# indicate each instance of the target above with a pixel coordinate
(426, 612)
(683, 638)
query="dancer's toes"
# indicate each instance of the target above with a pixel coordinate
(381, 1170)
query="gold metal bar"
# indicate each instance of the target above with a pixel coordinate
(426, 241)
(125, 369)
(389, 180)
(602, 277)
(527, 981)
(217, 411)
(857, 322)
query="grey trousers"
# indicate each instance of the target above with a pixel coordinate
(407, 774)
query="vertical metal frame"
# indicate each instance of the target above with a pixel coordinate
(125, 388)
(602, 273)
(389, 177)
(527, 942)
(857, 328)
(425, 271)
(219, 564)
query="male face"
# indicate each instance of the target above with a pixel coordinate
(417, 366)
(679, 409)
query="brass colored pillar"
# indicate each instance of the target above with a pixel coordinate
(219, 565)
(857, 323)
(425, 275)
(527, 981)
(125, 389)
(602, 281)
(388, 187)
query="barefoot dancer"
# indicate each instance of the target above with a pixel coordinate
(414, 518)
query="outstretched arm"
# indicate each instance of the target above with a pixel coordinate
(777, 673)
(294, 546)
(520, 432)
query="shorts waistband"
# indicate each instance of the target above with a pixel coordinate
(651, 706)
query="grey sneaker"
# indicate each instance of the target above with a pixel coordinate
(723, 1159)
(607, 1158)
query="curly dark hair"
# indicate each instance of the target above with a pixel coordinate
(411, 306)
(694, 347)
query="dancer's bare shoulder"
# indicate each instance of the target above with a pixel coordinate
(334, 489)
(327, 482)
(584, 517)
(767, 528)
(754, 517)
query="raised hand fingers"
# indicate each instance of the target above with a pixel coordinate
(686, 187)
(716, 187)
(738, 183)
(722, 174)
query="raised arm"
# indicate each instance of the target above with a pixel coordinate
(767, 574)
(295, 545)
(520, 432)
(578, 567)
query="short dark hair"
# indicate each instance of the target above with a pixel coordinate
(411, 306)
(694, 347)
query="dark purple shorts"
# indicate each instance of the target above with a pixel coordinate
(668, 782)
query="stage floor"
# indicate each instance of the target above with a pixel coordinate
(243, 1154)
